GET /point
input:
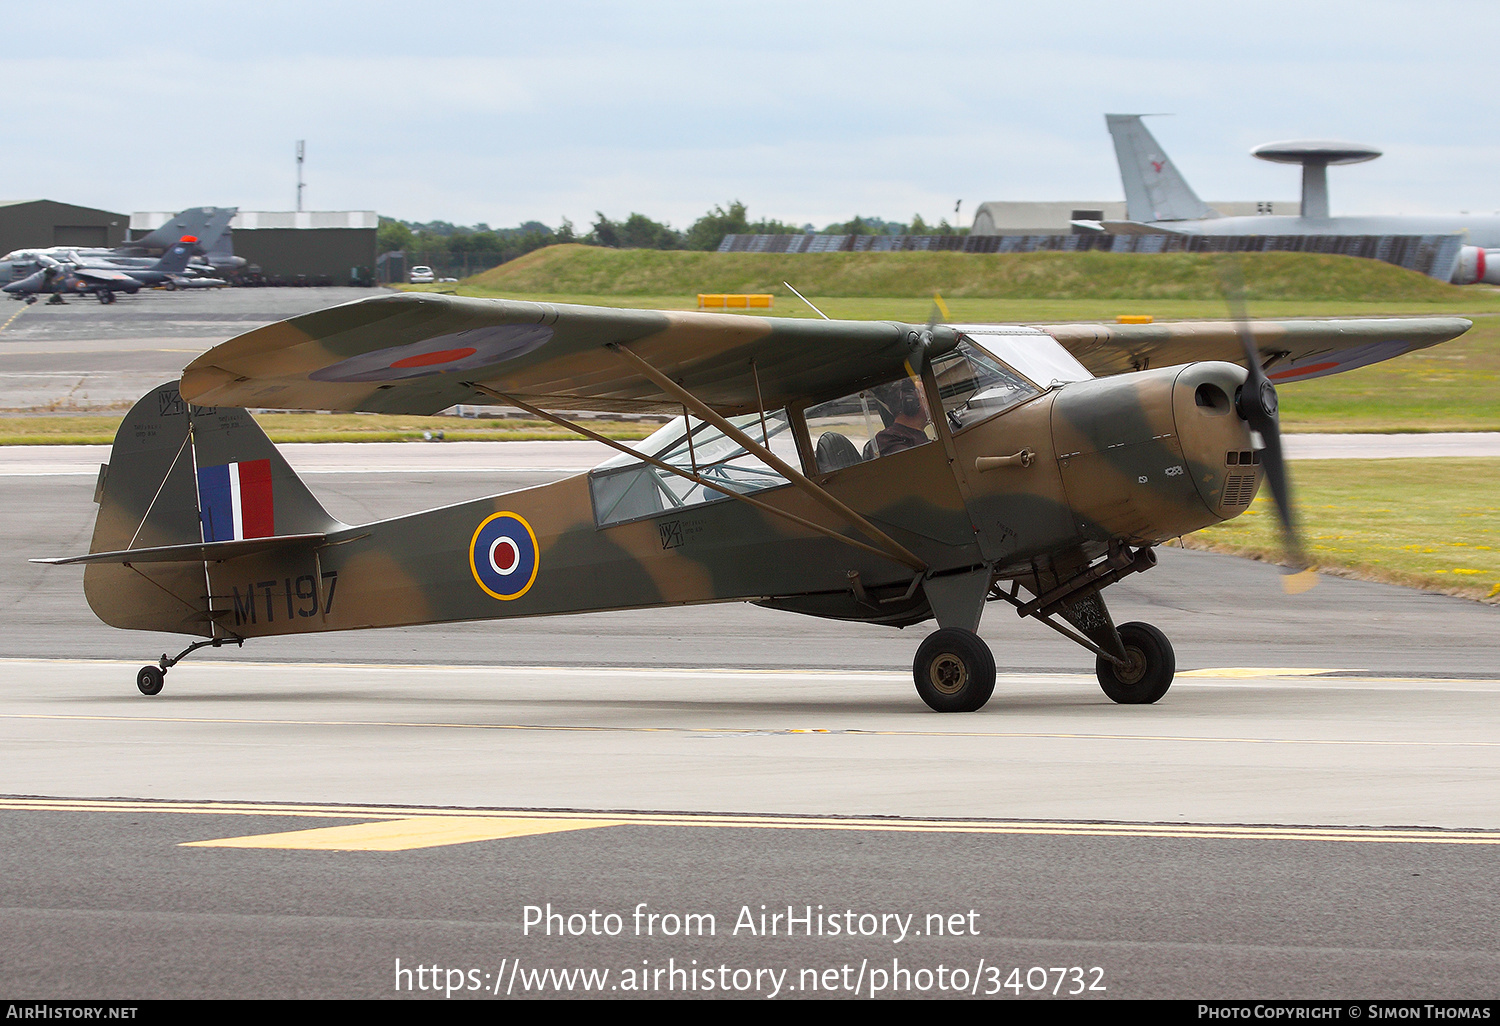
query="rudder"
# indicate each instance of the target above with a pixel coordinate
(1154, 189)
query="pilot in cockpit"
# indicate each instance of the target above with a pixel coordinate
(907, 429)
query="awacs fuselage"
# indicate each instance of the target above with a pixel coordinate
(1036, 490)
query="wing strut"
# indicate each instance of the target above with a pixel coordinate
(682, 395)
(914, 563)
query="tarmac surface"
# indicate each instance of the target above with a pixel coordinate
(1311, 812)
(87, 357)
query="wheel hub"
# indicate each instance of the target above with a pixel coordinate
(949, 674)
(1134, 668)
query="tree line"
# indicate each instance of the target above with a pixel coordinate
(459, 251)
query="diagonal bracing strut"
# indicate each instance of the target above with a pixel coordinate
(891, 546)
(915, 564)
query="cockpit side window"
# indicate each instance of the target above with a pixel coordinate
(867, 425)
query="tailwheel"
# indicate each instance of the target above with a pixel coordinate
(1148, 671)
(150, 680)
(954, 670)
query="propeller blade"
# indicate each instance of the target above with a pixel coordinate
(1257, 403)
(938, 308)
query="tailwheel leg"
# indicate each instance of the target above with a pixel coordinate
(1147, 671)
(151, 679)
(954, 670)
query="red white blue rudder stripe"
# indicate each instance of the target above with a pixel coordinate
(234, 501)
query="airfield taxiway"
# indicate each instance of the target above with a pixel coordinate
(1312, 811)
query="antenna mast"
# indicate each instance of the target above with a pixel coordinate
(301, 153)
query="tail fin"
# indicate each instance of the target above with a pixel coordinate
(175, 259)
(206, 224)
(179, 475)
(1154, 190)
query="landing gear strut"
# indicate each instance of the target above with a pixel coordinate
(954, 670)
(1135, 663)
(151, 679)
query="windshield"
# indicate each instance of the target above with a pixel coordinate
(1030, 351)
(974, 385)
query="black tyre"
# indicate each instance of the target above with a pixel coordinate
(954, 670)
(150, 680)
(1149, 674)
(106, 297)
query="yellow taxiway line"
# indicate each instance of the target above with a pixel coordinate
(395, 828)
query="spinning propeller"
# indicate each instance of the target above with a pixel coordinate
(1256, 403)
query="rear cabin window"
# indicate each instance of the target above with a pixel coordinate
(628, 488)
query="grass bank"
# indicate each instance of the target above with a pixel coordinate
(1431, 524)
(596, 271)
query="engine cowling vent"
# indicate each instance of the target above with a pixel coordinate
(1239, 490)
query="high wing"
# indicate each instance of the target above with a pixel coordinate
(1291, 350)
(420, 353)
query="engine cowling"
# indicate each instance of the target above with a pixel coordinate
(1477, 266)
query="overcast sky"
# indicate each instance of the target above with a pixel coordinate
(806, 111)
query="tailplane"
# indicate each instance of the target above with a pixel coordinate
(1154, 189)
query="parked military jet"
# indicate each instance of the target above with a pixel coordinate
(1159, 200)
(208, 227)
(881, 472)
(59, 279)
(102, 278)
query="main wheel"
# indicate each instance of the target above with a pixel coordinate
(106, 297)
(1149, 671)
(150, 680)
(954, 670)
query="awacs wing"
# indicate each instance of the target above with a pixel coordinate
(420, 353)
(1290, 350)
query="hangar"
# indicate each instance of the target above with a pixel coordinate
(40, 223)
(337, 245)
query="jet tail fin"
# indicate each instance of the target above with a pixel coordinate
(1154, 189)
(175, 259)
(190, 476)
(206, 224)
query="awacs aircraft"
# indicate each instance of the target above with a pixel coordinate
(1159, 200)
(873, 471)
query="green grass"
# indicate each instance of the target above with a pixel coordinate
(980, 309)
(1431, 523)
(596, 271)
(1450, 387)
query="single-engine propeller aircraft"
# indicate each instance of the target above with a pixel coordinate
(875, 471)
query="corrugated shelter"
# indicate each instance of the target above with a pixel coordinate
(291, 244)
